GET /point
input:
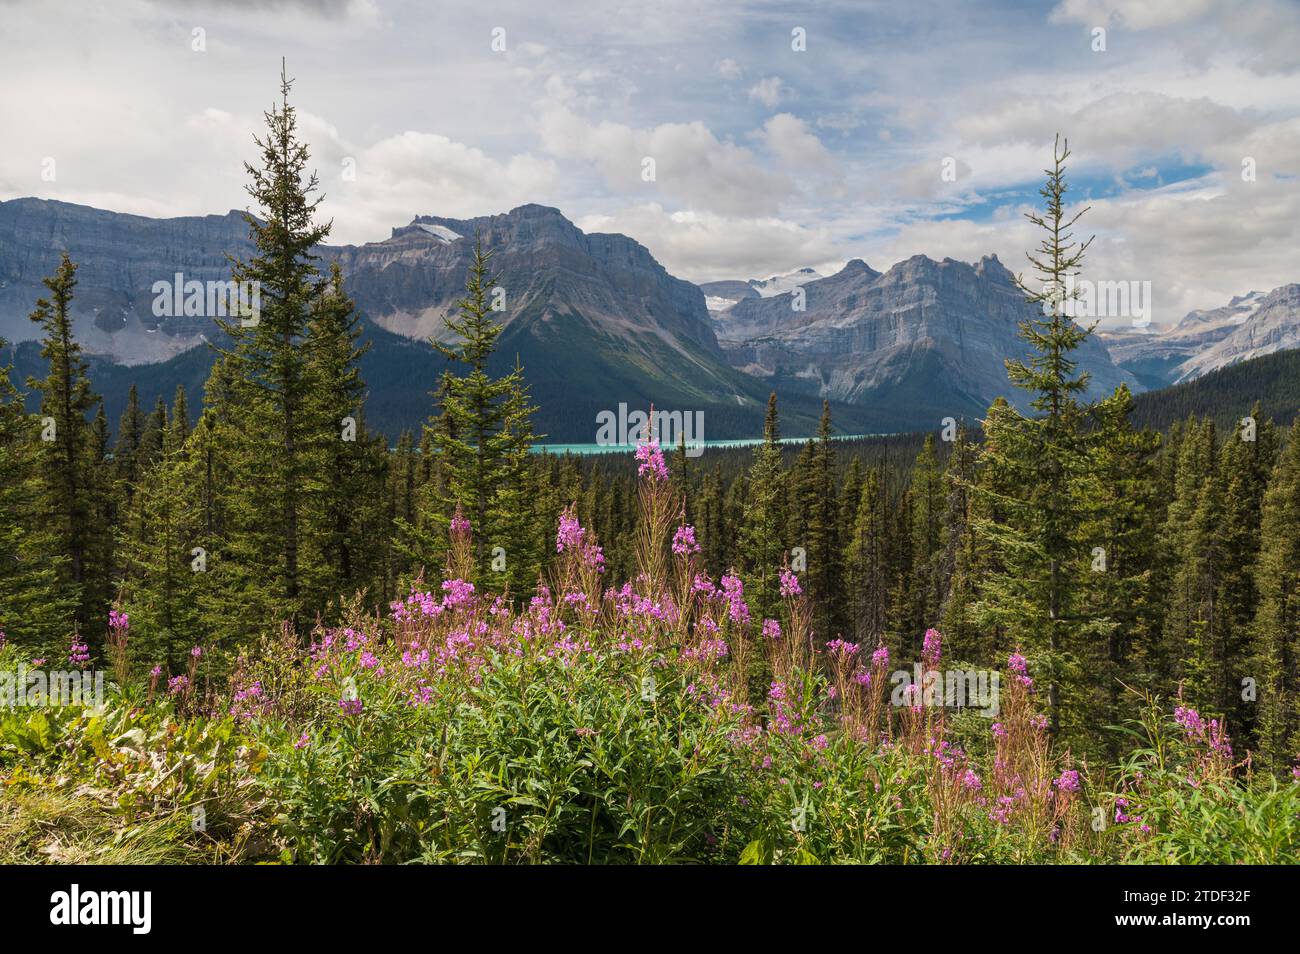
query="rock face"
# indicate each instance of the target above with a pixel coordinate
(118, 257)
(924, 338)
(1247, 327)
(544, 263)
(594, 319)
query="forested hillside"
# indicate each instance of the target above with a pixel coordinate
(1272, 382)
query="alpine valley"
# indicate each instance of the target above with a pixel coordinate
(596, 321)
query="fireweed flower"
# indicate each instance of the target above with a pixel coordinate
(458, 593)
(351, 706)
(79, 654)
(771, 629)
(684, 541)
(789, 584)
(971, 782)
(1068, 782)
(880, 657)
(177, 684)
(651, 462)
(839, 647)
(196, 652)
(932, 647)
(303, 741)
(116, 620)
(702, 584)
(737, 608)
(1017, 664)
(570, 535)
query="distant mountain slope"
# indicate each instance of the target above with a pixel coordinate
(1228, 394)
(400, 373)
(925, 338)
(118, 258)
(1247, 327)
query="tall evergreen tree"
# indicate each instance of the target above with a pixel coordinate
(67, 462)
(349, 492)
(482, 438)
(866, 559)
(762, 533)
(1120, 521)
(163, 550)
(1277, 623)
(825, 544)
(268, 431)
(1042, 455)
(36, 605)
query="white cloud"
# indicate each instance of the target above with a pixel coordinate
(729, 69)
(769, 91)
(788, 138)
(690, 163)
(703, 246)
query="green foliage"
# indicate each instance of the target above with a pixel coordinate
(763, 531)
(36, 609)
(69, 455)
(569, 759)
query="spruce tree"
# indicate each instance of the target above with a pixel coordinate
(1040, 457)
(762, 544)
(349, 498)
(68, 450)
(36, 606)
(866, 558)
(1121, 517)
(1276, 628)
(165, 576)
(268, 430)
(481, 437)
(825, 544)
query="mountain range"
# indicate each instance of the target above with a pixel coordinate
(1249, 326)
(596, 321)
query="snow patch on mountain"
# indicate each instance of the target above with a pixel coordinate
(440, 232)
(780, 284)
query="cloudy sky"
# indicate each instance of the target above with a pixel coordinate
(766, 157)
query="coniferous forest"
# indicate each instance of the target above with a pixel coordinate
(326, 644)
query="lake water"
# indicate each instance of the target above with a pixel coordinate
(586, 449)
